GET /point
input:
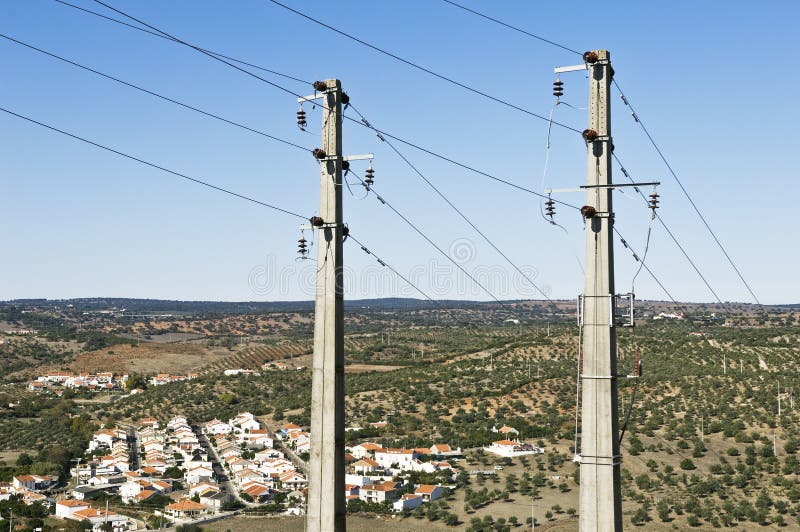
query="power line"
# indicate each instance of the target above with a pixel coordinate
(685, 192)
(297, 146)
(641, 261)
(456, 209)
(384, 263)
(670, 233)
(638, 120)
(132, 26)
(509, 26)
(206, 184)
(365, 123)
(419, 231)
(247, 128)
(465, 166)
(272, 137)
(201, 50)
(420, 67)
(381, 132)
(157, 95)
(153, 165)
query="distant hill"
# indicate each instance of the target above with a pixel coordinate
(96, 304)
(134, 306)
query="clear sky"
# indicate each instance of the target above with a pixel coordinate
(710, 80)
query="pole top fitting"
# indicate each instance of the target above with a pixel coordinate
(316, 221)
(587, 211)
(319, 153)
(320, 86)
(589, 135)
(590, 57)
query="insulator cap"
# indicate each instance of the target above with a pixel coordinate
(319, 153)
(588, 211)
(320, 86)
(589, 135)
(345, 231)
(345, 98)
(316, 221)
(345, 165)
(590, 57)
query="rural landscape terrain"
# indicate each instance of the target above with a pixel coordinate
(710, 428)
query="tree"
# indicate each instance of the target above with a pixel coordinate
(687, 464)
(663, 510)
(640, 517)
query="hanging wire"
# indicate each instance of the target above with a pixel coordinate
(153, 93)
(449, 203)
(575, 452)
(153, 165)
(549, 220)
(159, 35)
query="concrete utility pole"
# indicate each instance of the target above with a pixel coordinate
(326, 498)
(600, 498)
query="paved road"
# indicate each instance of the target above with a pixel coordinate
(298, 462)
(216, 464)
(133, 445)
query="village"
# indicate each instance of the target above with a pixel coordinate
(102, 381)
(159, 472)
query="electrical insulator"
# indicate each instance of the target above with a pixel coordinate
(558, 88)
(301, 119)
(550, 208)
(346, 167)
(319, 153)
(302, 247)
(590, 57)
(370, 178)
(653, 203)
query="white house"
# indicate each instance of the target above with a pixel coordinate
(429, 492)
(244, 421)
(367, 466)
(99, 518)
(67, 507)
(364, 449)
(215, 426)
(397, 458)
(510, 448)
(505, 430)
(199, 474)
(185, 509)
(409, 501)
(32, 482)
(386, 492)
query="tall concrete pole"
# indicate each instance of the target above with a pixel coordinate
(600, 499)
(326, 498)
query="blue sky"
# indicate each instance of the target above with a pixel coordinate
(710, 81)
